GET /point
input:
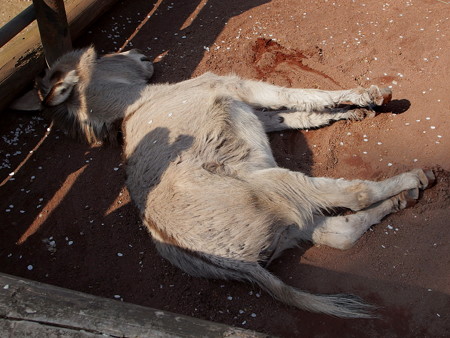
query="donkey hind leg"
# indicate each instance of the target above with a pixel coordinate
(209, 266)
(342, 232)
(277, 120)
(264, 95)
(298, 195)
(359, 194)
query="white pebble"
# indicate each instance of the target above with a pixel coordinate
(230, 298)
(115, 169)
(30, 267)
(389, 164)
(119, 254)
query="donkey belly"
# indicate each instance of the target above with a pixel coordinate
(209, 214)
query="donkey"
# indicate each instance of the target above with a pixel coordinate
(202, 174)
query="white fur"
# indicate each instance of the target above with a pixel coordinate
(201, 171)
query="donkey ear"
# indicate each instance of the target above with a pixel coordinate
(29, 101)
(61, 90)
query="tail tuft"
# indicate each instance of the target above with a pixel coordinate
(347, 306)
(343, 306)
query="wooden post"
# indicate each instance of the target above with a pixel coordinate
(53, 28)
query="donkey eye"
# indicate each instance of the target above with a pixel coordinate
(144, 58)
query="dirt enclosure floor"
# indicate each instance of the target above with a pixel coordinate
(67, 220)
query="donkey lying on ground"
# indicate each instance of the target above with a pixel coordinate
(200, 169)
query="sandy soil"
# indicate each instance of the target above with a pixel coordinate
(66, 218)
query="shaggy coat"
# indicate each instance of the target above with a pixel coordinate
(201, 172)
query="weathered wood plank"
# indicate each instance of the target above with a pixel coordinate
(20, 328)
(27, 305)
(13, 27)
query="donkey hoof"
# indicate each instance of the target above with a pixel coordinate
(406, 199)
(360, 114)
(380, 96)
(387, 95)
(411, 196)
(430, 176)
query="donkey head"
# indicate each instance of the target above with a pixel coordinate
(87, 96)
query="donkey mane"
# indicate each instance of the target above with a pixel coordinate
(89, 132)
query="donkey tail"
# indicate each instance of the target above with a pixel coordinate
(344, 306)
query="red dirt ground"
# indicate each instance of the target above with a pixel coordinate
(66, 218)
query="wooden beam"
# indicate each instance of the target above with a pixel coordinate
(53, 28)
(22, 58)
(14, 26)
(29, 308)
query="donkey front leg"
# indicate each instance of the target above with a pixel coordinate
(342, 232)
(277, 120)
(264, 95)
